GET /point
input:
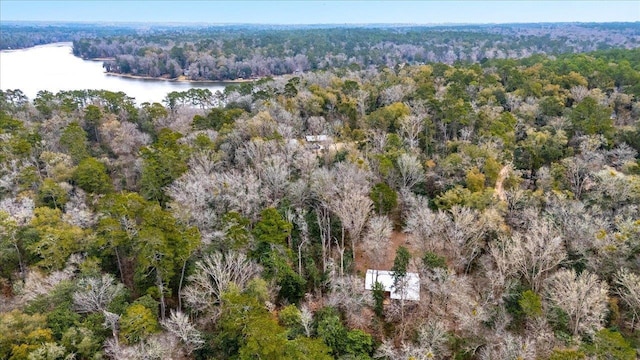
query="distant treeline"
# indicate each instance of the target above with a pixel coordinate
(240, 225)
(18, 35)
(220, 53)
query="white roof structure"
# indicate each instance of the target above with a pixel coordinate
(411, 288)
(316, 138)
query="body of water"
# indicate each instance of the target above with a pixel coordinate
(53, 67)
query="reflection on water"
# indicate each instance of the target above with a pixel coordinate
(53, 67)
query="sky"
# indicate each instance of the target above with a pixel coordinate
(321, 12)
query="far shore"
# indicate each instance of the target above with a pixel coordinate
(179, 79)
(102, 59)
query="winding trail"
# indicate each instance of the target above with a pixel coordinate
(499, 188)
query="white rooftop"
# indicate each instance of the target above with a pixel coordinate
(411, 289)
(316, 138)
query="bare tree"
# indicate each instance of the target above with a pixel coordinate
(411, 127)
(463, 232)
(201, 198)
(629, 291)
(304, 234)
(579, 92)
(37, 283)
(510, 347)
(531, 255)
(423, 224)
(179, 325)
(353, 210)
(577, 174)
(212, 277)
(156, 347)
(306, 319)
(94, 294)
(583, 297)
(273, 173)
(348, 295)
(410, 170)
(377, 237)
(323, 218)
(344, 191)
(112, 321)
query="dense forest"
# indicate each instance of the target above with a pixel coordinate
(240, 225)
(224, 53)
(18, 35)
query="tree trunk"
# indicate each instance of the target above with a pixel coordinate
(119, 265)
(184, 265)
(20, 263)
(160, 285)
(341, 250)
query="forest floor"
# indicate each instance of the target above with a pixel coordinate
(499, 188)
(364, 260)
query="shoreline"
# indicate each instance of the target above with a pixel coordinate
(180, 79)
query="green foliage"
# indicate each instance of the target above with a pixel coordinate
(163, 162)
(137, 323)
(265, 339)
(610, 345)
(387, 118)
(247, 329)
(342, 342)
(491, 170)
(567, 354)
(378, 298)
(74, 142)
(146, 237)
(148, 302)
(289, 317)
(51, 194)
(531, 304)
(472, 120)
(237, 235)
(277, 266)
(559, 321)
(22, 333)
(92, 120)
(10, 245)
(400, 266)
(56, 239)
(359, 344)
(384, 198)
(306, 348)
(331, 330)
(60, 319)
(216, 119)
(60, 298)
(434, 261)
(8, 124)
(91, 176)
(590, 118)
(292, 285)
(272, 228)
(475, 180)
(83, 342)
(464, 197)
(539, 148)
(400, 263)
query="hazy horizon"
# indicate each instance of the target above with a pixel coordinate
(321, 12)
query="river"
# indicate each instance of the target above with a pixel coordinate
(53, 67)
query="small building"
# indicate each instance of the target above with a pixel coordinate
(409, 291)
(316, 142)
(316, 138)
